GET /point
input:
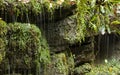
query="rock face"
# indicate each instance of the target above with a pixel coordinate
(84, 53)
(61, 36)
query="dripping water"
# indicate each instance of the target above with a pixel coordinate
(98, 52)
(27, 17)
(9, 68)
(107, 40)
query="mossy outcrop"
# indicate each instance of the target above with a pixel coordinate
(23, 43)
(61, 65)
(26, 48)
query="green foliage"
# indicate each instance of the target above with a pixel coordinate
(115, 22)
(36, 6)
(92, 16)
(115, 1)
(115, 26)
(80, 16)
(112, 67)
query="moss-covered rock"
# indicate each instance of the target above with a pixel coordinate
(23, 43)
(26, 48)
(58, 65)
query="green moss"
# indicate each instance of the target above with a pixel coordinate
(25, 45)
(3, 41)
(115, 22)
(3, 28)
(83, 69)
(112, 67)
(2, 49)
(23, 42)
(115, 26)
(60, 64)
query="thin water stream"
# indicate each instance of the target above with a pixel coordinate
(106, 47)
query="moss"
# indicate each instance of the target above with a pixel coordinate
(23, 42)
(25, 45)
(34, 6)
(115, 22)
(2, 49)
(115, 26)
(58, 65)
(83, 69)
(112, 67)
(61, 63)
(3, 28)
(3, 41)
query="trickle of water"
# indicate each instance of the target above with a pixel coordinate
(28, 21)
(8, 68)
(107, 40)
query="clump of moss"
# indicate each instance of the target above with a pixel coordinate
(3, 28)
(115, 26)
(115, 22)
(111, 67)
(3, 41)
(83, 69)
(58, 65)
(24, 44)
(2, 48)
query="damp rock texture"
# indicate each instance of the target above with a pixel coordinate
(84, 53)
(62, 36)
(61, 33)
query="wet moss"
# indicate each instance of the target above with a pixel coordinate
(25, 47)
(2, 49)
(3, 41)
(3, 28)
(23, 43)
